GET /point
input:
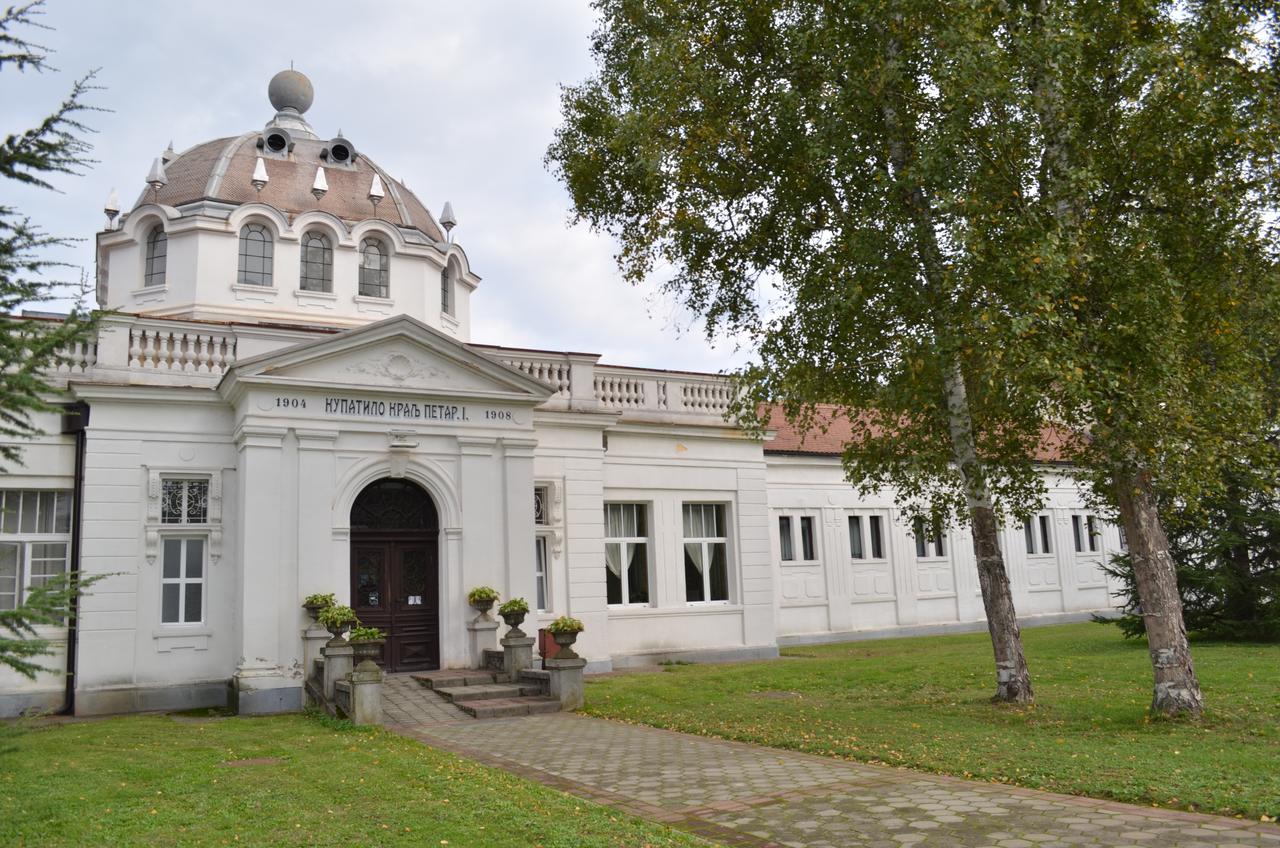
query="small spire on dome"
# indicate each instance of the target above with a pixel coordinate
(260, 178)
(168, 154)
(156, 177)
(447, 219)
(112, 208)
(376, 192)
(321, 185)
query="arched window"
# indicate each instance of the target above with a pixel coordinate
(157, 254)
(374, 269)
(317, 263)
(256, 251)
(448, 277)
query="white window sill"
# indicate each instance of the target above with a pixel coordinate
(254, 294)
(170, 637)
(698, 608)
(808, 562)
(147, 294)
(868, 560)
(376, 305)
(449, 322)
(316, 299)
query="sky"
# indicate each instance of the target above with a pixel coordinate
(460, 100)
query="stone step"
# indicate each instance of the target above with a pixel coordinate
(453, 677)
(540, 675)
(484, 692)
(509, 707)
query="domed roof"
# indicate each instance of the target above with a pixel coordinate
(222, 170)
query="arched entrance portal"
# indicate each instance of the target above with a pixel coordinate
(395, 571)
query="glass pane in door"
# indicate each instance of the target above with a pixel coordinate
(370, 578)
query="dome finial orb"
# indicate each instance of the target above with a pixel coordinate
(290, 90)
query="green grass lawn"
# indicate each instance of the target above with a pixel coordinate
(923, 703)
(162, 781)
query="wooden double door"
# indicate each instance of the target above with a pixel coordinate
(395, 587)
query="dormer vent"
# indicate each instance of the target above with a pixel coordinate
(276, 140)
(339, 151)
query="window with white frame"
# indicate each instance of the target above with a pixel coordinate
(786, 544)
(157, 257)
(626, 553)
(542, 522)
(257, 252)
(184, 501)
(706, 553)
(866, 537)
(182, 579)
(808, 545)
(35, 540)
(1085, 531)
(931, 541)
(1038, 534)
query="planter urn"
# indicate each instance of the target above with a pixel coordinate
(564, 641)
(514, 620)
(368, 649)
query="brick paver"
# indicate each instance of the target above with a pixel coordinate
(746, 795)
(405, 701)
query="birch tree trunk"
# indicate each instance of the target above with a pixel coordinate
(1177, 692)
(1013, 678)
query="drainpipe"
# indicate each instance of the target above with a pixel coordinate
(75, 418)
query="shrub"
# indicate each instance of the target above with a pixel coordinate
(565, 624)
(321, 601)
(513, 606)
(365, 634)
(336, 617)
(482, 593)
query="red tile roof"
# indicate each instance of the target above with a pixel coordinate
(833, 430)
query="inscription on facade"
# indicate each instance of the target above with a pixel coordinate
(399, 409)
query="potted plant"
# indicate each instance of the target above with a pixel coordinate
(337, 619)
(366, 642)
(313, 604)
(482, 598)
(564, 630)
(513, 613)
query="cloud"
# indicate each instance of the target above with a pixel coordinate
(458, 99)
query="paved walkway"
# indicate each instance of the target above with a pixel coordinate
(745, 795)
(405, 701)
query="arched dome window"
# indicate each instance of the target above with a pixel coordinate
(256, 252)
(448, 279)
(317, 263)
(157, 256)
(374, 269)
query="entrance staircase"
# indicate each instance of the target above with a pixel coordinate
(489, 694)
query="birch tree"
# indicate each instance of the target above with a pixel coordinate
(980, 223)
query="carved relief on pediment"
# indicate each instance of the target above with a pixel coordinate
(399, 367)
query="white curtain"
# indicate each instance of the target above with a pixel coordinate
(613, 559)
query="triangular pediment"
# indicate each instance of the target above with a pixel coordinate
(397, 354)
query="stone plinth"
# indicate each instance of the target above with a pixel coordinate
(313, 640)
(366, 694)
(517, 655)
(566, 681)
(337, 664)
(484, 637)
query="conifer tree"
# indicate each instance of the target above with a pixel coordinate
(31, 349)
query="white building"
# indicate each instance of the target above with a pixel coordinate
(287, 400)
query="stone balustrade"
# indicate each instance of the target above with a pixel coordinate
(137, 349)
